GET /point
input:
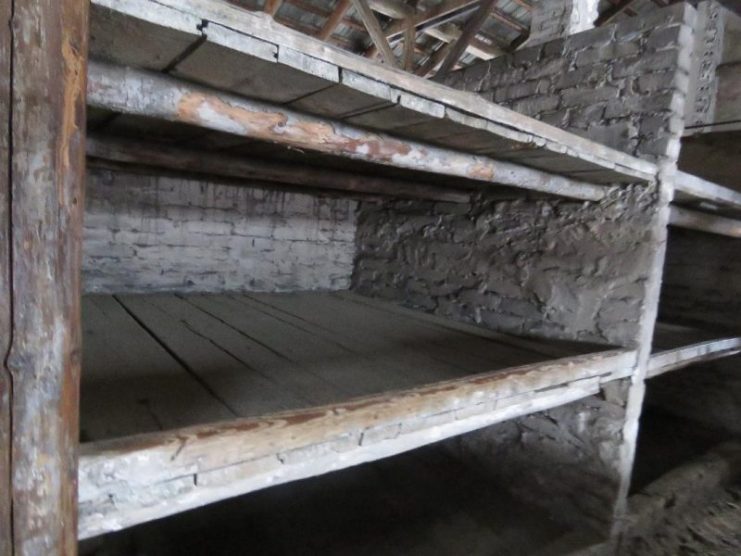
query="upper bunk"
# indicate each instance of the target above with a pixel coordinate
(260, 89)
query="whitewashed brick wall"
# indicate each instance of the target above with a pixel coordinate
(147, 233)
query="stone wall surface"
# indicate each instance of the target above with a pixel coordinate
(622, 85)
(560, 269)
(147, 233)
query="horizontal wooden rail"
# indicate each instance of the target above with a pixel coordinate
(131, 480)
(702, 189)
(156, 96)
(142, 153)
(705, 222)
(678, 358)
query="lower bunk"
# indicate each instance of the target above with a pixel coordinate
(190, 400)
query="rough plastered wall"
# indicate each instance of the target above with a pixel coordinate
(556, 268)
(146, 233)
(702, 288)
(615, 84)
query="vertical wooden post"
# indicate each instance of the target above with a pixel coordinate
(41, 190)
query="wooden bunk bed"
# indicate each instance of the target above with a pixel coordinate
(287, 386)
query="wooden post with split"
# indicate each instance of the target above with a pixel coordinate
(43, 51)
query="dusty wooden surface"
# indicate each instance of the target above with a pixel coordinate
(47, 161)
(314, 358)
(698, 189)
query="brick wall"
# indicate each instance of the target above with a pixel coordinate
(147, 233)
(621, 85)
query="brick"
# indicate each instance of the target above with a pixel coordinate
(553, 67)
(590, 39)
(537, 104)
(582, 97)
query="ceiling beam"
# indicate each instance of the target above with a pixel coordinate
(410, 39)
(334, 20)
(377, 35)
(469, 32)
(449, 33)
(272, 6)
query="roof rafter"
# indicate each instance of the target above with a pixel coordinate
(469, 32)
(375, 31)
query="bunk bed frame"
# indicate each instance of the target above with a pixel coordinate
(150, 62)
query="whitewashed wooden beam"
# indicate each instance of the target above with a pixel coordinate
(704, 222)
(679, 358)
(136, 479)
(157, 96)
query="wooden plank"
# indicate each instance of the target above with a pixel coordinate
(425, 349)
(47, 165)
(164, 473)
(470, 29)
(143, 43)
(374, 30)
(146, 94)
(704, 222)
(410, 41)
(6, 317)
(511, 125)
(341, 364)
(236, 382)
(334, 20)
(248, 66)
(130, 383)
(173, 158)
(679, 358)
(705, 190)
(545, 347)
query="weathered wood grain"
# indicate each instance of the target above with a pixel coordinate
(212, 164)
(5, 283)
(47, 162)
(131, 480)
(705, 222)
(668, 360)
(153, 95)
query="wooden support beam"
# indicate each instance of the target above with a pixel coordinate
(136, 479)
(155, 95)
(469, 32)
(704, 190)
(334, 20)
(434, 60)
(410, 40)
(374, 30)
(43, 50)
(440, 14)
(272, 6)
(679, 358)
(301, 175)
(6, 315)
(449, 33)
(704, 222)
